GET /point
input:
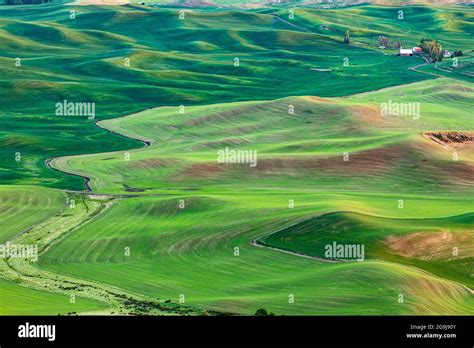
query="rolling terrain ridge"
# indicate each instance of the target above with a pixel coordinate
(300, 159)
(164, 220)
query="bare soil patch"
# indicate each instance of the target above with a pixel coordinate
(432, 245)
(203, 170)
(451, 138)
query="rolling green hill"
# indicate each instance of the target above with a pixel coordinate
(300, 159)
(425, 243)
(185, 62)
(19, 300)
(166, 228)
(302, 151)
(22, 208)
(190, 252)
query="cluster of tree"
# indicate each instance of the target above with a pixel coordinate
(383, 41)
(458, 53)
(433, 49)
(261, 312)
(25, 2)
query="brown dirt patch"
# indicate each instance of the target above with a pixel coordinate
(374, 161)
(432, 245)
(451, 138)
(203, 170)
(406, 159)
(367, 114)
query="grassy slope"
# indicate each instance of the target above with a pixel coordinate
(190, 251)
(22, 207)
(182, 62)
(461, 68)
(310, 238)
(301, 151)
(18, 300)
(64, 59)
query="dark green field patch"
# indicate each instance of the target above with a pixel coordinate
(314, 236)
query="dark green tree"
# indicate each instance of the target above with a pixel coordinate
(263, 312)
(347, 38)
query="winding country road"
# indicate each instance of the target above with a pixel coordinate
(87, 180)
(414, 68)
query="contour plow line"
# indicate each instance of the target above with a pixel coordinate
(256, 243)
(46, 234)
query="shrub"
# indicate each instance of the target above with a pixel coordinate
(263, 312)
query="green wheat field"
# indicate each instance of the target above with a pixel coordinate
(131, 212)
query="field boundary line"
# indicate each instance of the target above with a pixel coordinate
(254, 242)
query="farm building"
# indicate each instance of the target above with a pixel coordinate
(406, 52)
(447, 54)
